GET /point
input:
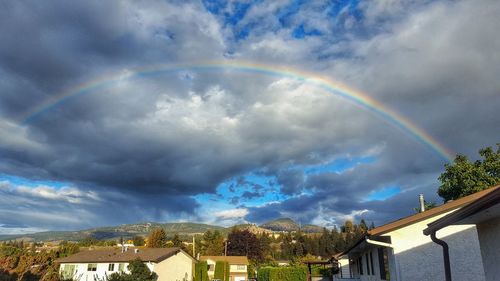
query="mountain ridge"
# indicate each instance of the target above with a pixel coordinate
(128, 231)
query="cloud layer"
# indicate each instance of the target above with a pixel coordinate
(226, 145)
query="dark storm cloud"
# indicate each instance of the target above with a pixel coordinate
(292, 182)
(23, 204)
(152, 142)
(265, 213)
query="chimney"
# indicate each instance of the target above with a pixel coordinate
(422, 202)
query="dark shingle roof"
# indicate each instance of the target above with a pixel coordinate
(116, 255)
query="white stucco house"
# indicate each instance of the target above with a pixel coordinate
(484, 212)
(170, 264)
(238, 266)
(400, 251)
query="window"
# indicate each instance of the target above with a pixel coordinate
(111, 267)
(121, 267)
(241, 267)
(371, 263)
(367, 264)
(92, 267)
(360, 261)
(383, 261)
(68, 271)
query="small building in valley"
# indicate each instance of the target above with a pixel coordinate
(170, 264)
(238, 266)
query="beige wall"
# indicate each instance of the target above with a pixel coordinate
(489, 240)
(102, 271)
(175, 268)
(416, 257)
(234, 268)
(211, 263)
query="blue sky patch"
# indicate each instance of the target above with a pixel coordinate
(299, 32)
(31, 183)
(384, 193)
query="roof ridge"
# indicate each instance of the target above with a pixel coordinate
(402, 222)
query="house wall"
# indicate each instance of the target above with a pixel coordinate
(211, 265)
(373, 274)
(234, 272)
(416, 257)
(489, 241)
(345, 271)
(176, 268)
(81, 273)
(233, 268)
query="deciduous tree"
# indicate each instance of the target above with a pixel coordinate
(463, 177)
(244, 243)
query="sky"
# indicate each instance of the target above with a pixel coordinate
(228, 112)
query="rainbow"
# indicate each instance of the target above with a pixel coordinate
(328, 85)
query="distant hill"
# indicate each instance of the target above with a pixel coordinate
(311, 228)
(253, 228)
(115, 232)
(184, 229)
(288, 224)
(283, 224)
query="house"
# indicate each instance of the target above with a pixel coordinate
(484, 212)
(170, 264)
(400, 251)
(344, 269)
(238, 266)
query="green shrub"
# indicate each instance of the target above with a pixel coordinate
(296, 273)
(227, 271)
(221, 271)
(251, 271)
(201, 271)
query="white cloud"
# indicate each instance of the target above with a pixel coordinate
(232, 213)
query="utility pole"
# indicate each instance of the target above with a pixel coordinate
(194, 253)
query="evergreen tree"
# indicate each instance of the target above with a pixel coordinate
(177, 242)
(157, 238)
(212, 243)
(138, 240)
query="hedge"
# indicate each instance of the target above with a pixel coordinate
(289, 273)
(221, 271)
(201, 271)
(251, 271)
